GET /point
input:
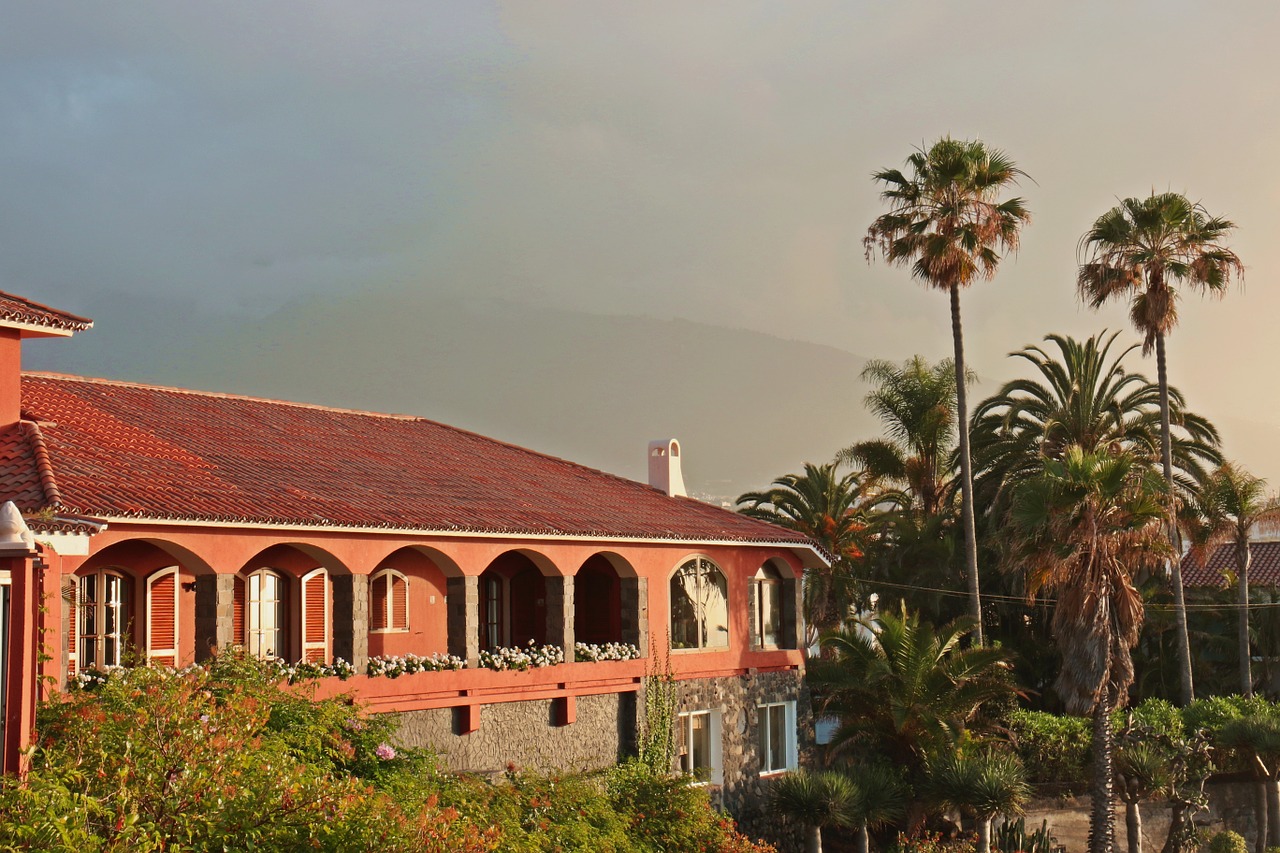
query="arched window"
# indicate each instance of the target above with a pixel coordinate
(699, 606)
(264, 616)
(767, 615)
(105, 621)
(388, 601)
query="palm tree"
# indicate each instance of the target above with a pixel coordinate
(1140, 251)
(1142, 771)
(1079, 394)
(1229, 504)
(1080, 531)
(982, 785)
(815, 800)
(947, 223)
(902, 688)
(916, 402)
(838, 513)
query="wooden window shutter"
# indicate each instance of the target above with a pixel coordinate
(237, 611)
(162, 617)
(378, 603)
(399, 601)
(73, 635)
(315, 616)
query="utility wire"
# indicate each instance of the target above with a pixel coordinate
(1018, 599)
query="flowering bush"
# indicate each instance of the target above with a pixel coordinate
(528, 657)
(605, 651)
(393, 666)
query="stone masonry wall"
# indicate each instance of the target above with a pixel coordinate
(744, 793)
(525, 734)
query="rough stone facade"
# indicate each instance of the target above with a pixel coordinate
(526, 734)
(744, 792)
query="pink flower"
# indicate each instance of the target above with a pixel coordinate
(385, 751)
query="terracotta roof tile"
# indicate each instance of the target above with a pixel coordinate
(18, 310)
(1264, 566)
(124, 450)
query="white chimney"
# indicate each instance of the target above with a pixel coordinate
(664, 466)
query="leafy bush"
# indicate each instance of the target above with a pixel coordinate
(227, 758)
(1227, 842)
(1054, 749)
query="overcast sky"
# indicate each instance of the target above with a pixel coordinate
(697, 160)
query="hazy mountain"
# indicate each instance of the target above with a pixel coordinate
(746, 406)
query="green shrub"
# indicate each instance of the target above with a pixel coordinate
(225, 758)
(1227, 842)
(1054, 748)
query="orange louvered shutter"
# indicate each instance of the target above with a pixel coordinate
(378, 603)
(73, 636)
(237, 611)
(399, 602)
(162, 618)
(315, 600)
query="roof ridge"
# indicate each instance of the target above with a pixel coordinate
(222, 395)
(340, 410)
(44, 467)
(65, 316)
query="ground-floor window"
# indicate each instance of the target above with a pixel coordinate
(265, 614)
(104, 622)
(698, 745)
(776, 723)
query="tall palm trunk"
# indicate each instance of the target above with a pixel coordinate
(966, 468)
(1101, 815)
(1273, 810)
(864, 839)
(1260, 817)
(1243, 558)
(1175, 565)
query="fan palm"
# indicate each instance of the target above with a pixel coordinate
(1080, 394)
(947, 222)
(904, 689)
(836, 512)
(916, 402)
(982, 785)
(815, 800)
(1141, 251)
(1229, 504)
(1080, 531)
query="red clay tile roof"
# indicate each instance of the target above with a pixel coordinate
(15, 309)
(124, 450)
(1264, 566)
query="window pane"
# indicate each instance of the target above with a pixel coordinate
(716, 609)
(770, 612)
(684, 611)
(700, 742)
(777, 715)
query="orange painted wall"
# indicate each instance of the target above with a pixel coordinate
(428, 617)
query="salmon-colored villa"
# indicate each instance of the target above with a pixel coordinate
(158, 525)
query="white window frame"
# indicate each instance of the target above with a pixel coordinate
(715, 765)
(387, 576)
(765, 737)
(768, 578)
(702, 566)
(280, 602)
(124, 618)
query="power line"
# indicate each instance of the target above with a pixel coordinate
(1018, 599)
